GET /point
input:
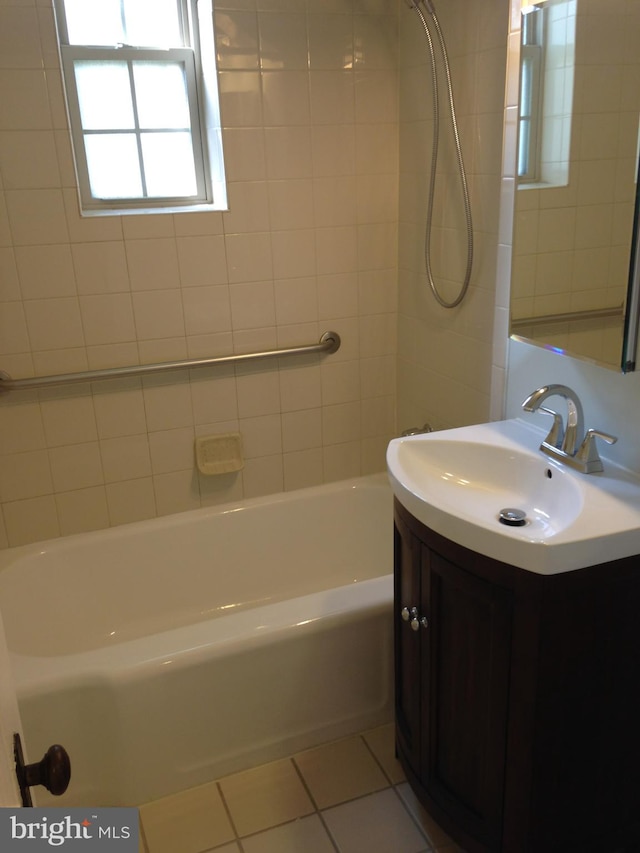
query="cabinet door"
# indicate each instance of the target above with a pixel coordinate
(407, 646)
(465, 695)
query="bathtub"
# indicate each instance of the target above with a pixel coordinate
(167, 653)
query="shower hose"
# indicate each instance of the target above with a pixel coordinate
(430, 11)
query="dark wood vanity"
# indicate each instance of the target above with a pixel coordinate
(518, 697)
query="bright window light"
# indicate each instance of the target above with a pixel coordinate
(144, 115)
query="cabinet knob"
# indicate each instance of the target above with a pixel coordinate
(410, 614)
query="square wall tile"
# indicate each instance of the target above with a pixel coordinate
(24, 99)
(37, 216)
(207, 310)
(131, 500)
(25, 475)
(54, 323)
(125, 458)
(303, 468)
(76, 466)
(107, 318)
(82, 510)
(285, 98)
(13, 328)
(236, 39)
(283, 40)
(100, 267)
(288, 152)
(245, 155)
(252, 305)
(202, 260)
(240, 98)
(31, 520)
(178, 491)
(248, 257)
(29, 159)
(69, 420)
(153, 264)
(158, 314)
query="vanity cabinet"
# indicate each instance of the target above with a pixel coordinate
(518, 697)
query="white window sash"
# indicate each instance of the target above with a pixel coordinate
(183, 56)
(532, 55)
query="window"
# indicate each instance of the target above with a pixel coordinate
(531, 61)
(546, 93)
(142, 104)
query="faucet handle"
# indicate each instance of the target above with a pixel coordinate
(588, 452)
(556, 433)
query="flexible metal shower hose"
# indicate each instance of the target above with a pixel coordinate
(434, 157)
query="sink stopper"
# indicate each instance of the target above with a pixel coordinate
(512, 517)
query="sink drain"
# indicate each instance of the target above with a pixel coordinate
(512, 517)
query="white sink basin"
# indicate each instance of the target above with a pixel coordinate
(458, 481)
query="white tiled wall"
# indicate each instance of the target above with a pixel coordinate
(445, 356)
(310, 114)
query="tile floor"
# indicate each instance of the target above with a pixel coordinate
(348, 796)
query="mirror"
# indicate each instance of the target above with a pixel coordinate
(573, 246)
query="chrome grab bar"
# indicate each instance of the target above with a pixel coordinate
(329, 343)
(568, 317)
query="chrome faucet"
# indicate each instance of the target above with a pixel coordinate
(568, 443)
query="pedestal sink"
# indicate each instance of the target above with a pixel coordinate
(458, 482)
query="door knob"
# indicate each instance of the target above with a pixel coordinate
(53, 771)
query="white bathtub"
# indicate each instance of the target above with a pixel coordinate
(167, 653)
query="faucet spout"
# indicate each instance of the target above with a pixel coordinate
(574, 430)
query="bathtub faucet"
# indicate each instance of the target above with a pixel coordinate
(568, 444)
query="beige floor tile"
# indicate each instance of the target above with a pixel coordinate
(381, 741)
(265, 797)
(191, 822)
(306, 834)
(437, 836)
(340, 771)
(378, 823)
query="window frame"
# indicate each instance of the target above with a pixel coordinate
(529, 122)
(203, 111)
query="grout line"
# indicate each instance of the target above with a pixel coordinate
(415, 820)
(229, 815)
(377, 760)
(315, 805)
(328, 831)
(304, 784)
(141, 832)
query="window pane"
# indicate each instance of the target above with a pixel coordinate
(94, 23)
(145, 23)
(161, 95)
(114, 167)
(168, 164)
(153, 23)
(104, 95)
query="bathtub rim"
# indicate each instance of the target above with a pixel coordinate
(8, 556)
